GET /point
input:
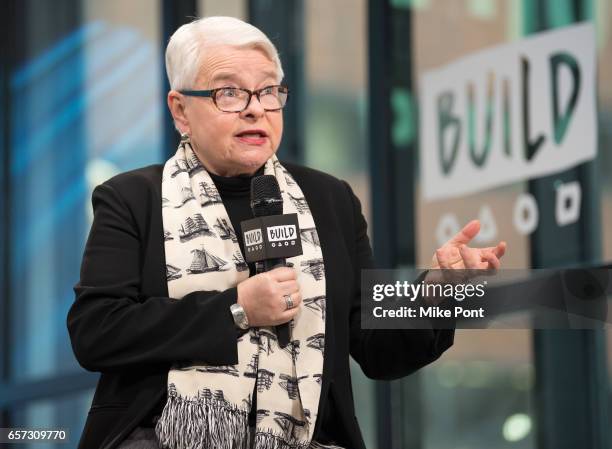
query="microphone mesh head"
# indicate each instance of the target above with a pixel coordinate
(266, 197)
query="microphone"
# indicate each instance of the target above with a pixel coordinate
(271, 237)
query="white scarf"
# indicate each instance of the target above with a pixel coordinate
(208, 406)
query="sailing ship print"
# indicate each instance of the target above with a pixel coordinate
(290, 425)
(265, 340)
(186, 196)
(311, 236)
(265, 379)
(318, 378)
(165, 202)
(208, 194)
(205, 395)
(300, 203)
(314, 267)
(248, 402)
(290, 384)
(172, 273)
(194, 226)
(167, 235)
(204, 262)
(317, 341)
(239, 262)
(190, 166)
(253, 336)
(316, 304)
(225, 230)
(251, 370)
(261, 414)
(230, 370)
(293, 349)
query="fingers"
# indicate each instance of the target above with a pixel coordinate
(282, 274)
(446, 257)
(471, 258)
(464, 236)
(492, 260)
(498, 250)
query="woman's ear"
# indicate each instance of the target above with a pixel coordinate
(176, 104)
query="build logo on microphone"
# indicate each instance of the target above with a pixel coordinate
(282, 235)
(271, 236)
(253, 240)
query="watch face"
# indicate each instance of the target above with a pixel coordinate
(239, 316)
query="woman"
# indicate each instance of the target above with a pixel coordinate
(166, 308)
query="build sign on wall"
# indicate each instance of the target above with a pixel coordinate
(509, 113)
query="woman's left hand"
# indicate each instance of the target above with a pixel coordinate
(455, 254)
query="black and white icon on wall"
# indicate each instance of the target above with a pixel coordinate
(204, 262)
(194, 226)
(208, 194)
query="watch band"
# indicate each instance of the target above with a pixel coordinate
(239, 315)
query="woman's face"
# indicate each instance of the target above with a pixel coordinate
(230, 143)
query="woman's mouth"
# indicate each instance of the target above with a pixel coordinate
(252, 137)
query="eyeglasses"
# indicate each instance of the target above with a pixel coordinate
(236, 99)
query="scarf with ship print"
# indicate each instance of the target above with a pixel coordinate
(208, 406)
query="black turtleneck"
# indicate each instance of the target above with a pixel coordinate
(235, 192)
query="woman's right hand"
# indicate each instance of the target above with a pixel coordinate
(262, 297)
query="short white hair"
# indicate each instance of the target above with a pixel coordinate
(187, 47)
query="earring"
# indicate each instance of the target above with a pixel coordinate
(184, 138)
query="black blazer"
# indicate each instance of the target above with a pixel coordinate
(123, 324)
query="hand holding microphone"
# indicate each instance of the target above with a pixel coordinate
(263, 297)
(270, 238)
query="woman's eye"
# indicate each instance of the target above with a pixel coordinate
(229, 92)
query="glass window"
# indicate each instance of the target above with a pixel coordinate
(335, 112)
(66, 413)
(477, 395)
(232, 8)
(85, 106)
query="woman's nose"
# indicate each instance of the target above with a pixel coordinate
(254, 108)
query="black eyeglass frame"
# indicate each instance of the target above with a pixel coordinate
(211, 93)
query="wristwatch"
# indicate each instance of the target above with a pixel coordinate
(239, 316)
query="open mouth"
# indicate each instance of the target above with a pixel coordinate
(252, 136)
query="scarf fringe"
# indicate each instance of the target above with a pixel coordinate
(272, 440)
(202, 423)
